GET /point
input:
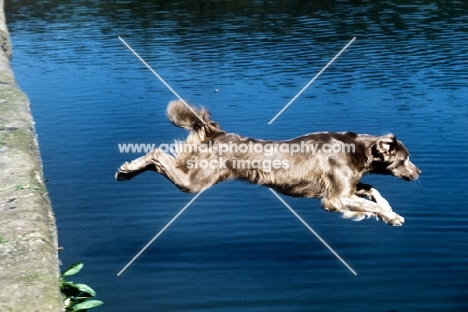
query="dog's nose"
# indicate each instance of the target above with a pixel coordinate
(416, 174)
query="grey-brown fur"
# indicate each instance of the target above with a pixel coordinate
(333, 176)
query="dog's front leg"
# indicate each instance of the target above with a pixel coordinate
(358, 208)
(371, 193)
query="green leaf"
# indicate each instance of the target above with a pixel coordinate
(80, 288)
(67, 302)
(73, 269)
(77, 300)
(84, 288)
(87, 305)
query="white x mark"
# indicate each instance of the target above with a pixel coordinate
(271, 121)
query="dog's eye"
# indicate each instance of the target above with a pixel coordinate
(402, 161)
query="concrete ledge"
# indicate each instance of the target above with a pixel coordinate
(28, 237)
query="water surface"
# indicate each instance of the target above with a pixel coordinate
(237, 247)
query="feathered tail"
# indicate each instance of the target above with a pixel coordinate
(197, 121)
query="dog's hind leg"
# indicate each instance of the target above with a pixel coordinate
(167, 166)
(128, 170)
(371, 193)
(358, 208)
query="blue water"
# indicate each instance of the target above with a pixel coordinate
(237, 248)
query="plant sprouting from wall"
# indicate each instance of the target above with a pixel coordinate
(76, 297)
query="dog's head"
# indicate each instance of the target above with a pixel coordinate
(390, 156)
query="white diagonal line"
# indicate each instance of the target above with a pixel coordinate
(313, 232)
(271, 121)
(310, 82)
(160, 232)
(160, 78)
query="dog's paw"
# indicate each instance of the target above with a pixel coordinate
(124, 172)
(396, 221)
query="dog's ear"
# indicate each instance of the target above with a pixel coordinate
(387, 143)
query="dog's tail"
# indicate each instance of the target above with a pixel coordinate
(197, 121)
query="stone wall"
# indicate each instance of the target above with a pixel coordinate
(28, 236)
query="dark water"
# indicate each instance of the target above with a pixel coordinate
(237, 248)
